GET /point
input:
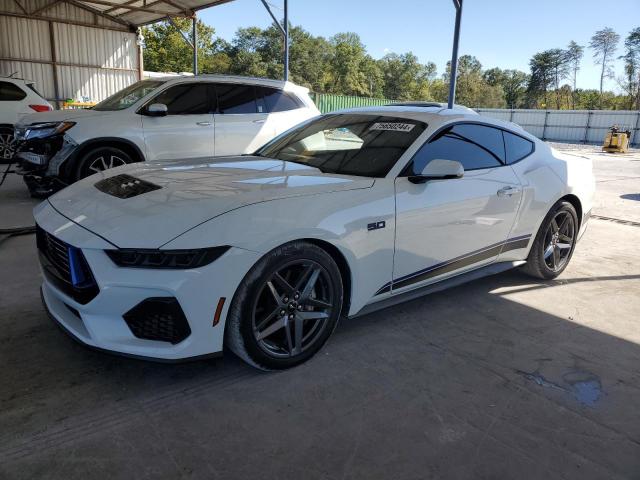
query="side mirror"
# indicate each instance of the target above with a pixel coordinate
(157, 110)
(439, 170)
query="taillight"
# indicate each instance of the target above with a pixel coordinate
(40, 108)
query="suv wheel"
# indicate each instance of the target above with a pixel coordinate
(7, 143)
(101, 159)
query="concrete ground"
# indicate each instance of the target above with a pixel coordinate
(505, 377)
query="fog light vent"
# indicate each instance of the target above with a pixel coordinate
(160, 319)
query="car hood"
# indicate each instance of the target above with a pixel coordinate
(60, 115)
(183, 195)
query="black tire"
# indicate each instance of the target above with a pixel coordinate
(7, 144)
(254, 303)
(100, 159)
(540, 263)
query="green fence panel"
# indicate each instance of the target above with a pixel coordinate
(328, 102)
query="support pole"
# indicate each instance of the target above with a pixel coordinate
(286, 40)
(54, 65)
(195, 44)
(454, 55)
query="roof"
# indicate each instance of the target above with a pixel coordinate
(270, 82)
(434, 115)
(135, 13)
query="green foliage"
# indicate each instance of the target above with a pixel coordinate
(341, 65)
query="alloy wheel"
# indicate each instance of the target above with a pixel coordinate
(102, 163)
(293, 308)
(559, 239)
(7, 146)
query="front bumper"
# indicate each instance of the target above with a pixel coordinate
(41, 163)
(100, 323)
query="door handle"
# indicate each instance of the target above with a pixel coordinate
(507, 191)
(203, 124)
(259, 121)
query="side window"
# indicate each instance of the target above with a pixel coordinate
(277, 100)
(185, 99)
(236, 98)
(10, 92)
(516, 147)
(474, 146)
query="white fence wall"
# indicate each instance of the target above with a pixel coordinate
(578, 126)
(68, 51)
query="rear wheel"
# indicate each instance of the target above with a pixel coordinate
(286, 307)
(101, 159)
(7, 144)
(554, 244)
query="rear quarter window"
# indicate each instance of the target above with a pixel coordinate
(11, 93)
(516, 147)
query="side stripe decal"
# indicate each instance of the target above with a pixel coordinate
(456, 263)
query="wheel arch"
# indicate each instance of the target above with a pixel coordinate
(125, 145)
(343, 265)
(575, 201)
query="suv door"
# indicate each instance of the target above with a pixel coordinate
(445, 227)
(242, 124)
(11, 102)
(187, 130)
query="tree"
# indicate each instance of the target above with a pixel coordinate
(472, 89)
(540, 79)
(631, 81)
(513, 83)
(604, 44)
(349, 55)
(574, 56)
(166, 51)
(405, 78)
(559, 63)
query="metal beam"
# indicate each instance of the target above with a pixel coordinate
(184, 37)
(100, 13)
(275, 20)
(71, 22)
(286, 40)
(454, 55)
(49, 5)
(20, 7)
(180, 8)
(132, 8)
(194, 37)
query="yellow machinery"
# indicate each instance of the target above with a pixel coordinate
(616, 140)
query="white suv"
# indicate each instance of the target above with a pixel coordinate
(162, 119)
(18, 97)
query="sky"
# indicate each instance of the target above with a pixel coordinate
(500, 33)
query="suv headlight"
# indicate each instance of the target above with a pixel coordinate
(167, 259)
(43, 130)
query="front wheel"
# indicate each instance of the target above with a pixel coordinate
(101, 159)
(7, 144)
(286, 307)
(554, 244)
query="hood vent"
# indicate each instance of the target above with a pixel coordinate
(125, 186)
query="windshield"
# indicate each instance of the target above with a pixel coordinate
(127, 97)
(348, 144)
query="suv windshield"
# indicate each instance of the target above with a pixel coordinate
(348, 144)
(127, 97)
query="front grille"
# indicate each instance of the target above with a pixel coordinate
(65, 266)
(125, 186)
(158, 318)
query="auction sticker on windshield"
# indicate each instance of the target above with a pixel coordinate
(393, 126)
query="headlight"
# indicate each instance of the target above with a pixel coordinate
(168, 259)
(43, 130)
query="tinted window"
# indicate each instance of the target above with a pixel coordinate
(10, 92)
(474, 146)
(236, 99)
(277, 100)
(128, 96)
(186, 99)
(349, 144)
(516, 147)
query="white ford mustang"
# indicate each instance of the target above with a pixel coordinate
(344, 214)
